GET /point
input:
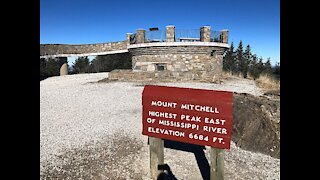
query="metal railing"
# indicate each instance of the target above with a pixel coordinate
(133, 39)
(187, 35)
(155, 36)
(215, 36)
(181, 35)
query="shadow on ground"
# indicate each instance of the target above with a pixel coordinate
(198, 152)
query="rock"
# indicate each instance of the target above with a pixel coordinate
(256, 124)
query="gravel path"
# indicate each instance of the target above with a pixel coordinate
(93, 131)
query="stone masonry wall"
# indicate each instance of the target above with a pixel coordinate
(55, 49)
(163, 76)
(154, 50)
(179, 59)
(178, 62)
(189, 63)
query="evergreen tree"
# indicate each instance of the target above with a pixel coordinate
(229, 60)
(239, 58)
(260, 66)
(107, 63)
(253, 68)
(276, 70)
(267, 67)
(53, 67)
(247, 59)
(43, 68)
(81, 65)
(91, 68)
(96, 64)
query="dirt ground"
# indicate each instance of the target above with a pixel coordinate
(99, 161)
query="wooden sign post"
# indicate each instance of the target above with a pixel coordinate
(196, 116)
(156, 156)
(216, 164)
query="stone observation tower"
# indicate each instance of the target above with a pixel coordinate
(170, 54)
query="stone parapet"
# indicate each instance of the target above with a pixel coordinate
(128, 38)
(225, 35)
(205, 34)
(56, 49)
(170, 34)
(140, 36)
(153, 44)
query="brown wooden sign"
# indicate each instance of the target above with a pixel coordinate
(196, 116)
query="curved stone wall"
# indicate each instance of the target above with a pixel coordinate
(178, 58)
(156, 50)
(89, 49)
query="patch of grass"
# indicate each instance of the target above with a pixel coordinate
(268, 83)
(228, 74)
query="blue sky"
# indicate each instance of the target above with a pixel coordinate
(255, 22)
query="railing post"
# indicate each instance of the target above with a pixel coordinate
(170, 33)
(129, 38)
(205, 34)
(224, 34)
(140, 36)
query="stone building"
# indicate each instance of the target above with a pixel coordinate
(170, 54)
(175, 54)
